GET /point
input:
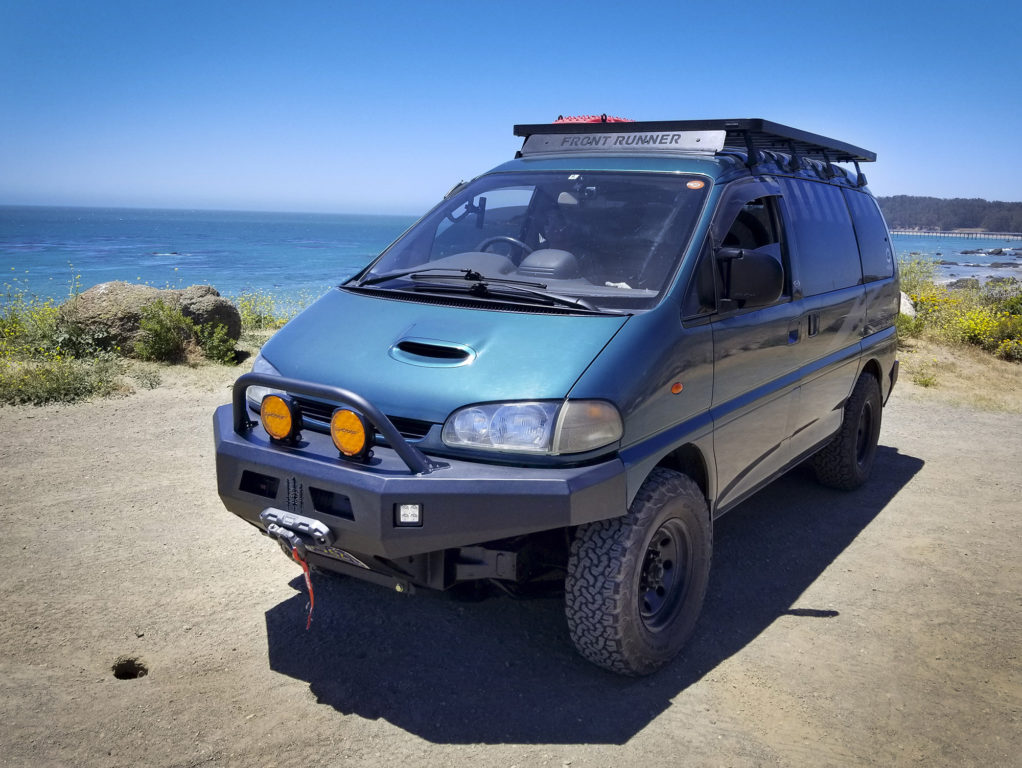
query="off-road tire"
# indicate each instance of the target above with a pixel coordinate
(614, 563)
(845, 462)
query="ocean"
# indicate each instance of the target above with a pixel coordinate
(46, 251)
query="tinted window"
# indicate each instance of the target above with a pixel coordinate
(874, 243)
(757, 226)
(828, 256)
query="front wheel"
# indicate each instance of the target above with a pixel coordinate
(636, 583)
(845, 462)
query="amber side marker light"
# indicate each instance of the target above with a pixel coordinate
(351, 434)
(281, 418)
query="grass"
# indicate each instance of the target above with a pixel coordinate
(965, 344)
(960, 375)
(988, 316)
(45, 359)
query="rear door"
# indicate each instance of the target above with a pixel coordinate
(828, 277)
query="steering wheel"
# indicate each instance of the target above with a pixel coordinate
(505, 239)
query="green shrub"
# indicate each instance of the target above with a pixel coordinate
(1010, 349)
(267, 312)
(1006, 293)
(916, 272)
(259, 312)
(56, 378)
(215, 343)
(164, 333)
(147, 377)
(908, 327)
(1013, 305)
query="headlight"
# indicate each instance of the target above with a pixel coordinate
(544, 427)
(255, 395)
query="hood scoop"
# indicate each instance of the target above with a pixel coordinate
(432, 353)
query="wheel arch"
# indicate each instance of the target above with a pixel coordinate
(689, 460)
(872, 367)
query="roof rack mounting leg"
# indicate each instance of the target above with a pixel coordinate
(828, 168)
(753, 155)
(796, 161)
(860, 177)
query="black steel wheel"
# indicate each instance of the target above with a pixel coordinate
(847, 460)
(662, 579)
(636, 583)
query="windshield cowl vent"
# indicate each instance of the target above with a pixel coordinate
(431, 353)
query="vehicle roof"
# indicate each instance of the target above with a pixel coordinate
(722, 167)
(720, 149)
(712, 166)
(750, 134)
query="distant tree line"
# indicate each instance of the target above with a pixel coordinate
(911, 212)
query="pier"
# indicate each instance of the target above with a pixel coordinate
(967, 235)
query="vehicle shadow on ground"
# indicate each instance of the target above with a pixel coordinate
(505, 671)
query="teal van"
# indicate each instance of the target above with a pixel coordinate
(575, 363)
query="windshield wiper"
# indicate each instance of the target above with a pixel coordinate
(469, 274)
(481, 287)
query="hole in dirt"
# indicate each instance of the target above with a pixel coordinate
(129, 668)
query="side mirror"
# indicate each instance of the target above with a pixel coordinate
(752, 278)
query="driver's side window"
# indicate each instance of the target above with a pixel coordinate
(758, 225)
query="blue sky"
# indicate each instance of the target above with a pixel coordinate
(344, 107)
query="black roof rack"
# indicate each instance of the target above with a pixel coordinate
(748, 134)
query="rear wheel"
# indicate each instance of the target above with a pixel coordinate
(846, 461)
(636, 583)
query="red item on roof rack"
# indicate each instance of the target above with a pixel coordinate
(592, 119)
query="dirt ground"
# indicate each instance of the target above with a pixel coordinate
(877, 627)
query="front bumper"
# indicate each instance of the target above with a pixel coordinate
(462, 502)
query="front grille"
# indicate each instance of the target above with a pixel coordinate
(316, 416)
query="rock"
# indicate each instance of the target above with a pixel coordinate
(945, 263)
(113, 311)
(204, 304)
(995, 252)
(907, 307)
(964, 282)
(1002, 264)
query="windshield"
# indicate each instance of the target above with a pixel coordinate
(610, 240)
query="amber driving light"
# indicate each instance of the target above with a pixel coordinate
(350, 434)
(281, 417)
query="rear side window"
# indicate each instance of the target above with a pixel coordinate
(828, 255)
(874, 242)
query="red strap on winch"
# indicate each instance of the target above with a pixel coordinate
(308, 583)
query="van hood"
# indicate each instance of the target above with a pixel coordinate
(422, 361)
